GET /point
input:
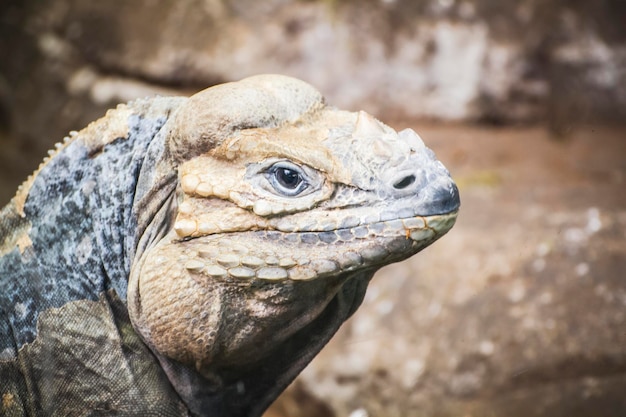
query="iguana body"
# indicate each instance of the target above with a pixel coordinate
(190, 256)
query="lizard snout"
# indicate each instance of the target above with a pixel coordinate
(424, 180)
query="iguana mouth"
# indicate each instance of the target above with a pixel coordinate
(299, 256)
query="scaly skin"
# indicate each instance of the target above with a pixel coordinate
(191, 256)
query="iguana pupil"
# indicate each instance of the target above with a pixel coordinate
(288, 178)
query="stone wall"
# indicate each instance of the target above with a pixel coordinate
(445, 59)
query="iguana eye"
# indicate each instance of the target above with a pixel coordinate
(287, 178)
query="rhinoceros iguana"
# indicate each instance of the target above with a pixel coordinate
(189, 256)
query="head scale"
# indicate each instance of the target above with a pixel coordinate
(214, 114)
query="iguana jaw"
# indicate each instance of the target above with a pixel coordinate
(231, 298)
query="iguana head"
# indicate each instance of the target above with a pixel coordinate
(282, 201)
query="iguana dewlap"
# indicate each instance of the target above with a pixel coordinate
(189, 256)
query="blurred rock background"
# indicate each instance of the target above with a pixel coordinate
(520, 310)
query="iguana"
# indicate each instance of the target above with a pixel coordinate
(189, 256)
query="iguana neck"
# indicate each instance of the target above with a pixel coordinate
(88, 205)
(248, 391)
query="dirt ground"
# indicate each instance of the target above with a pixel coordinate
(518, 311)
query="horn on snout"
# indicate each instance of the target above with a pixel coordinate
(367, 126)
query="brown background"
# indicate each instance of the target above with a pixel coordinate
(521, 309)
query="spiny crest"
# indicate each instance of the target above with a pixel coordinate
(22, 190)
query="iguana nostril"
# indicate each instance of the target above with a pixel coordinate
(404, 182)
